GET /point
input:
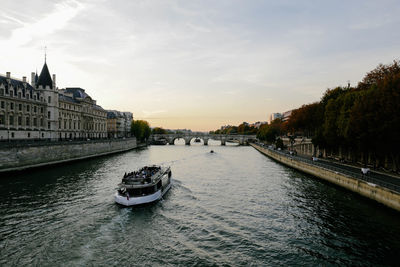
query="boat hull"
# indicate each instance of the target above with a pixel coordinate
(133, 201)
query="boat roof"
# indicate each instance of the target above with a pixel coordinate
(139, 181)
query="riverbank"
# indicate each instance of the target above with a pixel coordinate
(22, 157)
(372, 191)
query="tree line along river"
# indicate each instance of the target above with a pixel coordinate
(232, 207)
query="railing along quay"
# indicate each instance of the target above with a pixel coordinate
(47, 142)
(354, 174)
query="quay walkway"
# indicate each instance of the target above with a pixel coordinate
(388, 181)
(381, 187)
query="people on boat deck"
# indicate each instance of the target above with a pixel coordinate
(145, 172)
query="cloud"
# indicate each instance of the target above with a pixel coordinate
(63, 12)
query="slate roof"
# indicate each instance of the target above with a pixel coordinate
(45, 78)
(67, 98)
(77, 92)
(16, 84)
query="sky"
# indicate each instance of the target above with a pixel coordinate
(200, 64)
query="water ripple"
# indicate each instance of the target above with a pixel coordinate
(231, 208)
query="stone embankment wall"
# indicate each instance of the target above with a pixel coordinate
(23, 156)
(375, 192)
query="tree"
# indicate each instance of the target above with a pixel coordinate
(306, 119)
(159, 130)
(141, 130)
(269, 132)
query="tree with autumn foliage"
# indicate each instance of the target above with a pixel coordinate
(270, 132)
(363, 121)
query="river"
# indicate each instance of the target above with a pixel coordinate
(234, 207)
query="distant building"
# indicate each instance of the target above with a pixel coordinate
(42, 111)
(273, 117)
(119, 123)
(286, 115)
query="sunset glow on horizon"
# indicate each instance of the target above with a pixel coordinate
(200, 64)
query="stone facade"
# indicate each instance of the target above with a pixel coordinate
(42, 111)
(119, 123)
(21, 156)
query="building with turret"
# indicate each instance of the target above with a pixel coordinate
(41, 110)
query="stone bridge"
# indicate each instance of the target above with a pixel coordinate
(170, 138)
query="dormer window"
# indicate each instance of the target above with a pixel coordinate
(19, 94)
(11, 93)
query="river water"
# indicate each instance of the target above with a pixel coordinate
(234, 207)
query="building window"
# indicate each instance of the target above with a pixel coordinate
(34, 109)
(28, 121)
(2, 118)
(48, 125)
(41, 110)
(15, 93)
(48, 114)
(35, 122)
(2, 104)
(29, 135)
(49, 99)
(12, 135)
(28, 108)
(19, 107)
(19, 121)
(42, 134)
(11, 93)
(1, 91)
(65, 124)
(34, 97)
(19, 95)
(11, 120)
(12, 106)
(41, 122)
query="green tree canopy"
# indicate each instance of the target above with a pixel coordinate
(159, 130)
(141, 130)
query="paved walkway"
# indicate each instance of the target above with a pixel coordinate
(390, 181)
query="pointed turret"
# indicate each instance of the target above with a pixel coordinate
(45, 78)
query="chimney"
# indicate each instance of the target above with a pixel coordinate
(8, 74)
(54, 81)
(33, 79)
(24, 79)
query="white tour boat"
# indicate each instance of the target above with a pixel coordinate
(146, 185)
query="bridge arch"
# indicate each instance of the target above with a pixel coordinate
(188, 137)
